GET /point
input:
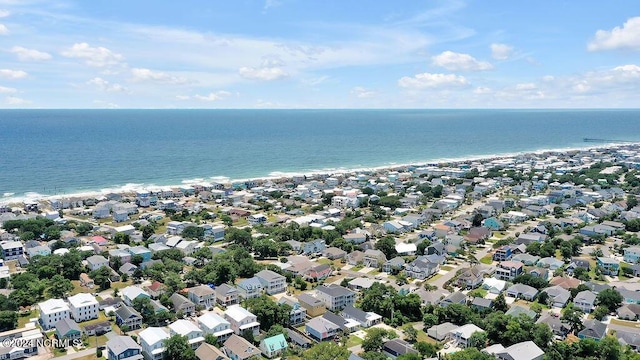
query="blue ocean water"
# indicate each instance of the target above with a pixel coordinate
(68, 151)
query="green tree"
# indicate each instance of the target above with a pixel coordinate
(572, 316)
(410, 333)
(388, 246)
(59, 286)
(499, 303)
(211, 339)
(470, 354)
(137, 259)
(8, 320)
(268, 312)
(193, 232)
(374, 340)
(177, 348)
(425, 349)
(600, 312)
(609, 298)
(478, 340)
(409, 356)
(326, 350)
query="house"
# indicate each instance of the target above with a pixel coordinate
(131, 293)
(355, 257)
(503, 253)
(11, 250)
(517, 310)
(423, 267)
(237, 348)
(272, 282)
(86, 281)
(558, 296)
(577, 263)
(152, 342)
(40, 250)
(241, 319)
(141, 251)
(522, 291)
(256, 219)
(593, 329)
(202, 295)
(508, 270)
(95, 262)
(394, 265)
(67, 329)
(470, 278)
(630, 338)
(189, 330)
(462, 334)
(83, 307)
(406, 248)
(527, 350)
(585, 301)
(334, 253)
(441, 331)
(565, 282)
(249, 288)
(212, 323)
(317, 272)
(98, 329)
(608, 266)
(632, 254)
(374, 258)
(550, 263)
(123, 348)
(52, 311)
(453, 298)
(156, 289)
(128, 269)
(481, 304)
(314, 306)
(493, 285)
(314, 247)
(129, 317)
(396, 347)
(365, 319)
(209, 352)
(226, 295)
(182, 305)
(298, 313)
(335, 297)
(493, 223)
(273, 346)
(526, 259)
(321, 329)
(630, 297)
(559, 328)
(436, 248)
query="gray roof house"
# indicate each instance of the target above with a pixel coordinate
(527, 350)
(123, 347)
(585, 300)
(522, 291)
(181, 303)
(558, 296)
(593, 329)
(454, 298)
(440, 331)
(560, 329)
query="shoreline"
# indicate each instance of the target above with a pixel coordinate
(11, 198)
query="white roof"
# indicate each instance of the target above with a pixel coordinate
(82, 299)
(466, 331)
(153, 335)
(173, 241)
(406, 247)
(132, 292)
(184, 327)
(185, 244)
(52, 306)
(523, 351)
(124, 228)
(212, 320)
(237, 313)
(495, 283)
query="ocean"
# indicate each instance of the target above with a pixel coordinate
(61, 152)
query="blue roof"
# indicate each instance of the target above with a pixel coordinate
(276, 343)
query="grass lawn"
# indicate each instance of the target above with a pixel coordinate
(633, 324)
(446, 268)
(353, 341)
(23, 318)
(325, 261)
(422, 336)
(487, 259)
(101, 317)
(80, 289)
(434, 278)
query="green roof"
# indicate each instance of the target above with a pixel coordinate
(275, 343)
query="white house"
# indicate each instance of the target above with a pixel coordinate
(52, 311)
(152, 342)
(83, 307)
(462, 334)
(11, 250)
(272, 282)
(130, 293)
(95, 262)
(241, 319)
(189, 330)
(212, 323)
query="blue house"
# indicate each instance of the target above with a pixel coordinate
(142, 251)
(123, 347)
(273, 346)
(632, 254)
(609, 266)
(493, 223)
(314, 246)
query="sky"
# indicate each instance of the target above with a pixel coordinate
(319, 54)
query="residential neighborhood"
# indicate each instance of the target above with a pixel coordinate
(522, 257)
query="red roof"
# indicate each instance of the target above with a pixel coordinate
(99, 240)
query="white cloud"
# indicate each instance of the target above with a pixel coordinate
(183, 97)
(12, 74)
(263, 73)
(16, 101)
(214, 96)
(501, 51)
(93, 56)
(268, 4)
(363, 93)
(105, 104)
(526, 86)
(625, 37)
(482, 90)
(25, 54)
(4, 13)
(3, 30)
(456, 62)
(429, 80)
(7, 90)
(147, 75)
(104, 85)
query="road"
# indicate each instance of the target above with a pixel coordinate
(78, 354)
